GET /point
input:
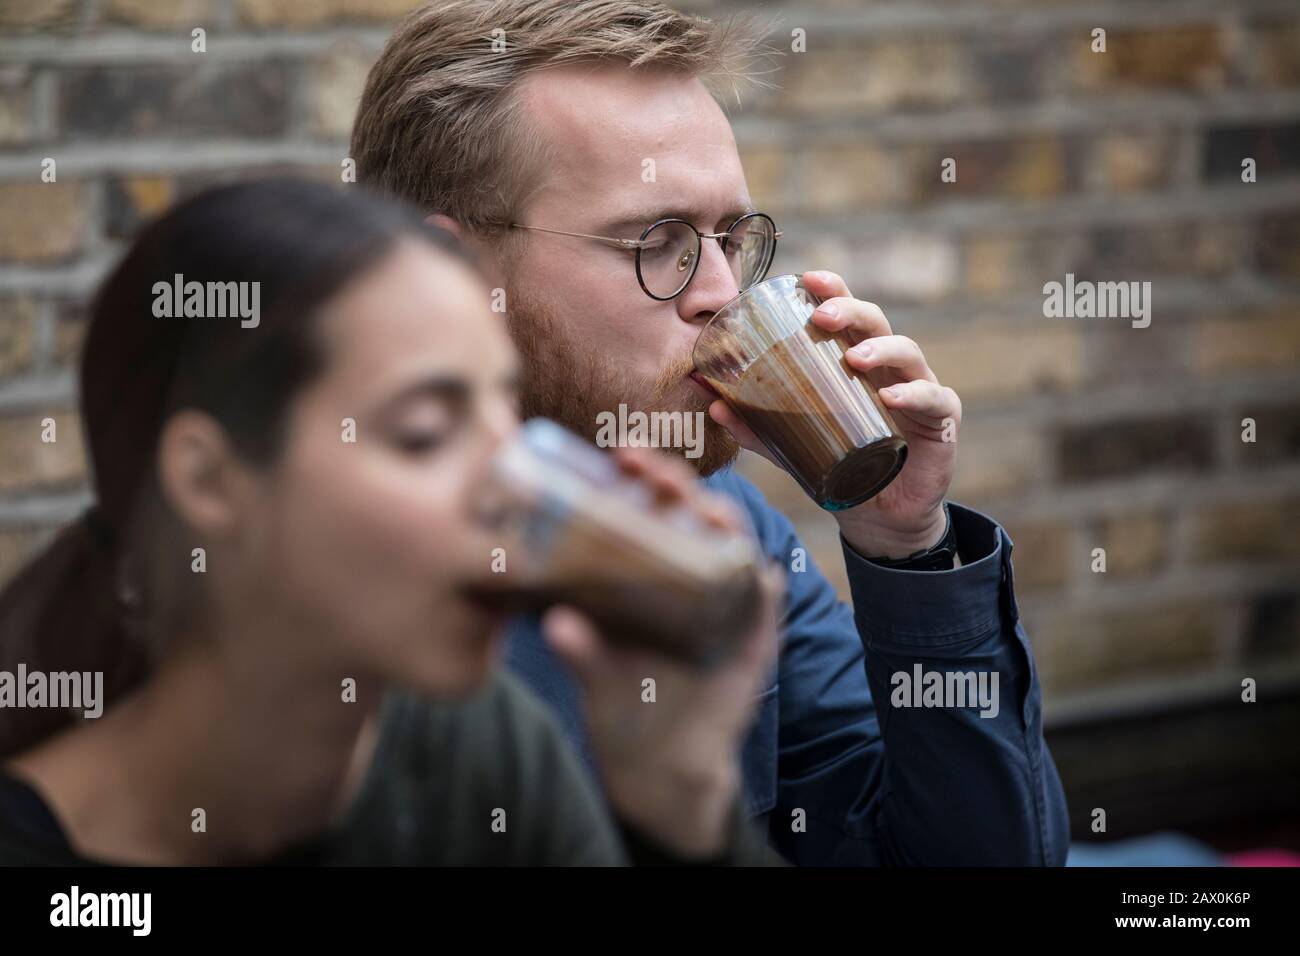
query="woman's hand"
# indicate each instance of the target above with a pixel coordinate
(670, 766)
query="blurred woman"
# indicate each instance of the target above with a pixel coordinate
(282, 518)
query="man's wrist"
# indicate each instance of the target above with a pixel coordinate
(942, 556)
(874, 542)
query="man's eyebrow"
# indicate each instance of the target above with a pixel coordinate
(642, 219)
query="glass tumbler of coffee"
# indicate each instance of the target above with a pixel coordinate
(791, 384)
(574, 529)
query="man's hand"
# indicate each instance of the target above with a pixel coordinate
(908, 515)
(670, 766)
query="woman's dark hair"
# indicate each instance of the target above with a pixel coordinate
(78, 606)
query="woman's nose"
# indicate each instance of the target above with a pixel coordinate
(500, 421)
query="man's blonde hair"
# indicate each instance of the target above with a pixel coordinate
(440, 124)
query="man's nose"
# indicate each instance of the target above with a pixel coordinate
(713, 286)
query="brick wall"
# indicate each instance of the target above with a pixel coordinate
(1079, 433)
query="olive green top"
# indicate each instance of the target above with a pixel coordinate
(488, 780)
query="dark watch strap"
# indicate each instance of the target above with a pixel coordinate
(939, 557)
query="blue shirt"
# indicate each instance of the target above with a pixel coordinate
(880, 784)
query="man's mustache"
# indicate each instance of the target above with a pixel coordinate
(671, 378)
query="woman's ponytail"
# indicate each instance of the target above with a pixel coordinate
(63, 612)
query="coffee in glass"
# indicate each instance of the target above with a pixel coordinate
(575, 530)
(790, 383)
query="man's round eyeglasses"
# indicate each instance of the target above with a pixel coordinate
(668, 252)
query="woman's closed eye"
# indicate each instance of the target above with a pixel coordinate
(419, 441)
(425, 426)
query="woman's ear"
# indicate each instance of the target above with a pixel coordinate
(201, 478)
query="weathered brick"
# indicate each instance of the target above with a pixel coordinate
(1122, 449)
(17, 332)
(1277, 435)
(1277, 53)
(817, 250)
(1001, 263)
(1255, 342)
(828, 81)
(70, 324)
(996, 460)
(151, 14)
(1120, 354)
(1253, 531)
(1190, 58)
(901, 74)
(1275, 149)
(988, 357)
(195, 183)
(1007, 69)
(766, 169)
(1079, 650)
(42, 14)
(1041, 554)
(43, 222)
(336, 82)
(205, 99)
(15, 104)
(305, 13)
(1140, 253)
(1130, 162)
(1277, 245)
(1034, 167)
(30, 463)
(994, 264)
(844, 177)
(908, 267)
(134, 199)
(1135, 544)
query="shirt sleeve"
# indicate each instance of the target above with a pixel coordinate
(863, 782)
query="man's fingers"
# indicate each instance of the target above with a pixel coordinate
(923, 398)
(861, 319)
(826, 285)
(891, 351)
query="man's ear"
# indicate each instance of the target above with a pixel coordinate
(447, 223)
(485, 257)
(201, 477)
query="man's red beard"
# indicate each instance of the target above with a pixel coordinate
(564, 383)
